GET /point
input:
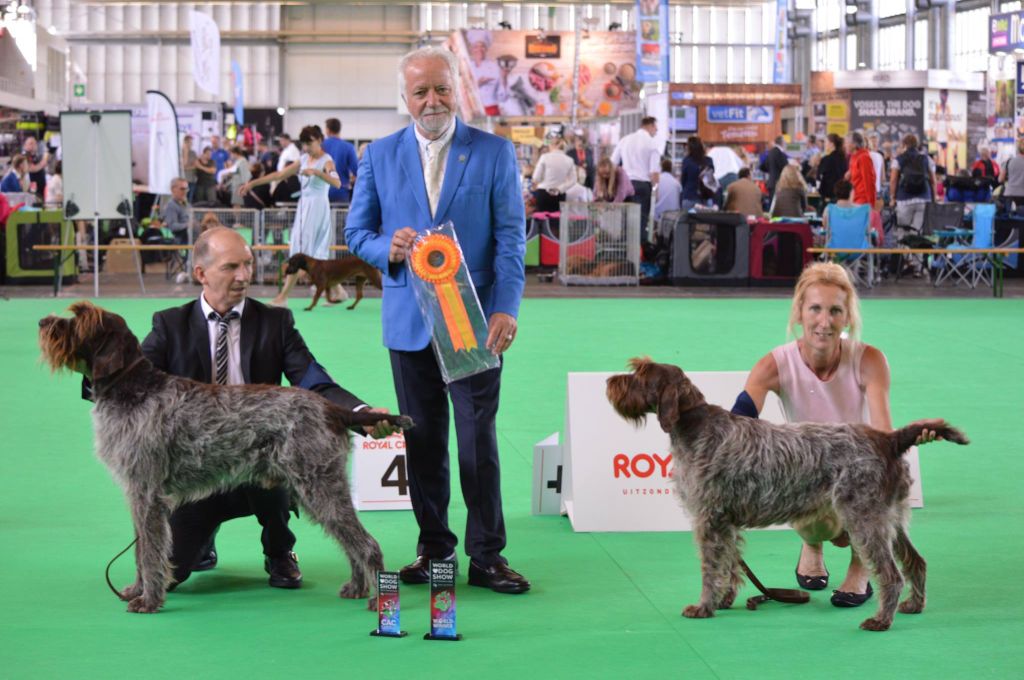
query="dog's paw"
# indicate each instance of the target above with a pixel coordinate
(726, 602)
(911, 606)
(145, 605)
(875, 624)
(353, 591)
(698, 611)
(131, 592)
(371, 603)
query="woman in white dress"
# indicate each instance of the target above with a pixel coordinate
(313, 231)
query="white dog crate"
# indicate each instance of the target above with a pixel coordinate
(599, 244)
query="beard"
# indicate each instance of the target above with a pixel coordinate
(434, 120)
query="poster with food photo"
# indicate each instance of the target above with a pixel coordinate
(523, 73)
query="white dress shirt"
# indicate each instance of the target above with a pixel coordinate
(555, 172)
(234, 341)
(441, 145)
(725, 160)
(289, 155)
(639, 155)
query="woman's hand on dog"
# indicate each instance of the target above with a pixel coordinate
(929, 435)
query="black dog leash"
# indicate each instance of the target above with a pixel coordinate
(787, 595)
(111, 563)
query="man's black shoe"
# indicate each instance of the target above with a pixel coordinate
(419, 571)
(206, 561)
(284, 570)
(499, 577)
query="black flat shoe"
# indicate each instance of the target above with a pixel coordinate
(419, 571)
(844, 599)
(811, 582)
(284, 571)
(499, 577)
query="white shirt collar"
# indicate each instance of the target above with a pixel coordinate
(207, 308)
(445, 137)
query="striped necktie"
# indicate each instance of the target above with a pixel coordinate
(220, 368)
(435, 173)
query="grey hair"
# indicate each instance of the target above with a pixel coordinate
(430, 52)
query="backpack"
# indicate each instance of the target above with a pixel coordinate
(707, 184)
(914, 178)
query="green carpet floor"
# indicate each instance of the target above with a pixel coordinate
(603, 605)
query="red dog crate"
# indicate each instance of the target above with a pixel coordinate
(778, 252)
(546, 225)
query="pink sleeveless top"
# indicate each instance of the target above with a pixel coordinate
(805, 398)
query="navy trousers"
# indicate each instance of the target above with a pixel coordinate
(423, 395)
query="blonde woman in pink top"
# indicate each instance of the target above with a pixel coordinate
(825, 377)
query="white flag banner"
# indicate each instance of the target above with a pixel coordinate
(206, 53)
(164, 157)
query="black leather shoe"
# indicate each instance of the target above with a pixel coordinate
(419, 571)
(843, 599)
(206, 561)
(498, 577)
(284, 570)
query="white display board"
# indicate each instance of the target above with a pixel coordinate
(379, 476)
(97, 170)
(617, 478)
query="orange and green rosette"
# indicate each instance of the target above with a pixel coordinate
(436, 259)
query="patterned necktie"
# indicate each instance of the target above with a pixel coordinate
(220, 369)
(435, 174)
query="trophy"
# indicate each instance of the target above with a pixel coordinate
(442, 601)
(388, 609)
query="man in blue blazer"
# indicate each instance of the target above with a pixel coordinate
(435, 170)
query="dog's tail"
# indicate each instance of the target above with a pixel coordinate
(905, 437)
(368, 417)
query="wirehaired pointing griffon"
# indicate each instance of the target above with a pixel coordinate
(734, 472)
(325, 274)
(168, 440)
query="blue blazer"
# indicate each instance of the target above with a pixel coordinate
(482, 197)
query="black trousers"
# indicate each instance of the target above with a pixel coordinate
(642, 195)
(193, 524)
(423, 395)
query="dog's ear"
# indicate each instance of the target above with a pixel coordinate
(106, 338)
(668, 406)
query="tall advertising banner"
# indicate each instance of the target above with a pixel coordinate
(236, 88)
(164, 158)
(521, 73)
(945, 126)
(652, 41)
(206, 53)
(781, 41)
(890, 113)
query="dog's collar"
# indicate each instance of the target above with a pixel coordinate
(108, 383)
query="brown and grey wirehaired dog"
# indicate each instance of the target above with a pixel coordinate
(168, 440)
(734, 472)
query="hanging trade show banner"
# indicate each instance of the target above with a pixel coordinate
(236, 88)
(890, 113)
(1005, 32)
(206, 53)
(652, 41)
(1002, 112)
(740, 114)
(518, 73)
(945, 126)
(781, 38)
(164, 157)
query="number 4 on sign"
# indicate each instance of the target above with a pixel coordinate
(395, 476)
(380, 480)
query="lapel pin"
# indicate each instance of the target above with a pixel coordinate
(462, 158)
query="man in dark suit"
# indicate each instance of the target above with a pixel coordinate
(583, 156)
(774, 163)
(261, 345)
(440, 169)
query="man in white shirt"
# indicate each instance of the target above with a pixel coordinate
(554, 173)
(639, 155)
(727, 164)
(878, 160)
(289, 154)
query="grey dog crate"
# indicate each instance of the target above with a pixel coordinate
(711, 249)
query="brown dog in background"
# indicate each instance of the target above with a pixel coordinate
(325, 274)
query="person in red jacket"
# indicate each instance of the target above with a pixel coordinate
(862, 171)
(988, 168)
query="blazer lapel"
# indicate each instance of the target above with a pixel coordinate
(458, 158)
(200, 332)
(412, 167)
(250, 327)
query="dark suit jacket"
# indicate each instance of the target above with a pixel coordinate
(271, 348)
(774, 164)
